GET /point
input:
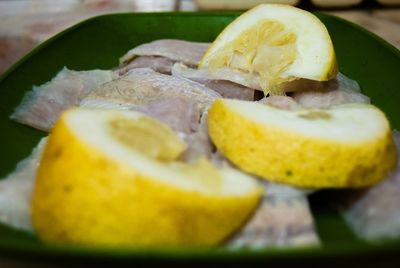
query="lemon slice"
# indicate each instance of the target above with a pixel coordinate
(344, 146)
(275, 43)
(112, 178)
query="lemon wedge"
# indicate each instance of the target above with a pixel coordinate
(345, 146)
(113, 178)
(275, 44)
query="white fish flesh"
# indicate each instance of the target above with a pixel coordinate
(142, 86)
(187, 52)
(241, 78)
(282, 219)
(182, 115)
(199, 143)
(374, 213)
(16, 191)
(281, 102)
(226, 88)
(159, 64)
(42, 106)
(340, 90)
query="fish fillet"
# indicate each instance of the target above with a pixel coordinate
(227, 74)
(340, 90)
(159, 64)
(281, 102)
(374, 213)
(142, 86)
(337, 91)
(199, 143)
(187, 52)
(182, 115)
(41, 107)
(283, 218)
(226, 88)
(16, 191)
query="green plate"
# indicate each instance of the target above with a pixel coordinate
(100, 41)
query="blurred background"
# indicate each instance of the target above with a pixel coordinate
(26, 23)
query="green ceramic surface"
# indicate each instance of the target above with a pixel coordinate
(100, 41)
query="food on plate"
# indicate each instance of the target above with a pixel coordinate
(142, 85)
(42, 106)
(177, 50)
(337, 91)
(159, 64)
(343, 146)
(226, 88)
(277, 44)
(132, 189)
(139, 167)
(16, 191)
(283, 219)
(373, 213)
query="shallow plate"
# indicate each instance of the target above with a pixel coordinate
(100, 41)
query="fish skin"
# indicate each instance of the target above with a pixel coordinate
(16, 191)
(42, 106)
(142, 86)
(178, 50)
(282, 219)
(374, 213)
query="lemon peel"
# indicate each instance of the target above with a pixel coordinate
(344, 146)
(277, 43)
(93, 188)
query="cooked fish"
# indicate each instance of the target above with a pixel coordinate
(42, 106)
(142, 86)
(187, 52)
(336, 91)
(226, 88)
(249, 80)
(374, 213)
(281, 102)
(199, 143)
(158, 64)
(182, 115)
(340, 90)
(283, 218)
(16, 191)
(226, 74)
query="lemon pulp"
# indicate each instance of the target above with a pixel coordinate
(266, 50)
(270, 45)
(148, 137)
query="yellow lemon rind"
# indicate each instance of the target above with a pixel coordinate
(296, 159)
(327, 71)
(83, 197)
